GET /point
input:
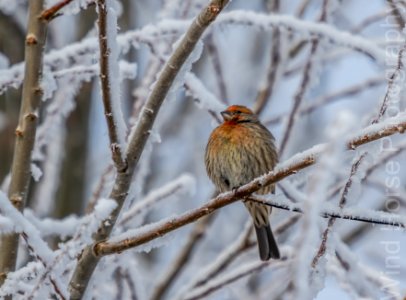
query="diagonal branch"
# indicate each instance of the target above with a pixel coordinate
(138, 138)
(343, 201)
(52, 12)
(289, 167)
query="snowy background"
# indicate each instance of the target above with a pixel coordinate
(358, 46)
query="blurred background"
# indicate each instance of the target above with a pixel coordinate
(259, 66)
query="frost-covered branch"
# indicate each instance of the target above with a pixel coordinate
(182, 258)
(332, 97)
(341, 204)
(138, 138)
(110, 84)
(304, 85)
(273, 70)
(26, 129)
(306, 29)
(240, 272)
(285, 169)
(392, 84)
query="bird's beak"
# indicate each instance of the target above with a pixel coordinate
(226, 115)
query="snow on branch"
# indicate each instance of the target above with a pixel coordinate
(13, 76)
(285, 169)
(109, 79)
(305, 28)
(232, 276)
(141, 132)
(184, 183)
(36, 245)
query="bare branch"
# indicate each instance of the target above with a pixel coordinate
(52, 12)
(26, 129)
(392, 80)
(218, 70)
(352, 90)
(303, 86)
(182, 258)
(234, 275)
(343, 201)
(106, 82)
(273, 68)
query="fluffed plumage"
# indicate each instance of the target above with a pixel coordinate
(239, 150)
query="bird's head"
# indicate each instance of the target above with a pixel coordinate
(238, 114)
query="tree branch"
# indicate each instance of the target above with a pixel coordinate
(289, 167)
(88, 260)
(182, 258)
(26, 129)
(304, 85)
(52, 12)
(106, 84)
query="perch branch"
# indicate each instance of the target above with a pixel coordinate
(289, 167)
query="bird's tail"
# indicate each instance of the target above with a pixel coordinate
(266, 243)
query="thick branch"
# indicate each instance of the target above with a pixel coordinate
(88, 261)
(26, 129)
(289, 167)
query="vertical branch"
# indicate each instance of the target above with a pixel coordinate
(26, 129)
(343, 201)
(304, 85)
(218, 70)
(265, 91)
(183, 257)
(88, 260)
(106, 66)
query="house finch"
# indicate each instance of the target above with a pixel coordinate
(239, 150)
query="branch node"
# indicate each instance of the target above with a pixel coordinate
(31, 39)
(31, 116)
(19, 132)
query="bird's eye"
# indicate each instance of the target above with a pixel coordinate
(238, 111)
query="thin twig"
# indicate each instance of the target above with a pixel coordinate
(232, 276)
(52, 12)
(88, 260)
(332, 97)
(304, 85)
(182, 258)
(368, 21)
(343, 201)
(106, 82)
(241, 245)
(273, 68)
(218, 70)
(396, 12)
(391, 83)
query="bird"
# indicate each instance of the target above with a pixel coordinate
(240, 149)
